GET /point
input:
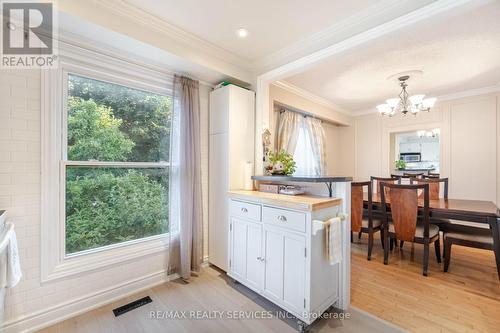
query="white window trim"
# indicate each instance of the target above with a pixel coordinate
(55, 264)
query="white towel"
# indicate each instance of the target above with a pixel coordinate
(333, 237)
(10, 265)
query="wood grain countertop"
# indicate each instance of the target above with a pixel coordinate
(298, 202)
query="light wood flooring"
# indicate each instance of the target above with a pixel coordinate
(466, 299)
(211, 291)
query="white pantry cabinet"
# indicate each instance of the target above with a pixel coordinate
(231, 146)
(279, 252)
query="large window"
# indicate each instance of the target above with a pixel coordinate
(115, 159)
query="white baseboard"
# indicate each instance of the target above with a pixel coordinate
(60, 312)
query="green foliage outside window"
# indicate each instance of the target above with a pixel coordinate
(108, 122)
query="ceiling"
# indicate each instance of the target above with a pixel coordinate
(274, 26)
(456, 53)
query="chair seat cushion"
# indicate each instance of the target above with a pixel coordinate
(440, 221)
(467, 233)
(376, 223)
(419, 230)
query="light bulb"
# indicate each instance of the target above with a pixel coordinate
(416, 99)
(393, 102)
(428, 102)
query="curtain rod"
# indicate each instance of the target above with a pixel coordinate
(284, 107)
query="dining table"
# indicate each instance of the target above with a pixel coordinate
(459, 209)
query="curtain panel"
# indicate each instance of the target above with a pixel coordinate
(185, 248)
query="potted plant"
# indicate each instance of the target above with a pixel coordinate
(400, 164)
(282, 163)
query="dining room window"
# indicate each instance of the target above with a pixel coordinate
(115, 163)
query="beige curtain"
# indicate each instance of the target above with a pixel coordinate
(317, 140)
(288, 130)
(185, 248)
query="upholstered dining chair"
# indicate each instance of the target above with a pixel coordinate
(479, 238)
(359, 224)
(375, 181)
(406, 224)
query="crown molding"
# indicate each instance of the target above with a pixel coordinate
(444, 98)
(153, 22)
(310, 96)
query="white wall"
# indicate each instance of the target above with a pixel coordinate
(469, 144)
(339, 138)
(31, 303)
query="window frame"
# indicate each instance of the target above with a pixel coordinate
(55, 263)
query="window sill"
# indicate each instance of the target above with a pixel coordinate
(84, 262)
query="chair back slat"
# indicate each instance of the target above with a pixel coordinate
(357, 204)
(434, 187)
(375, 181)
(356, 207)
(404, 211)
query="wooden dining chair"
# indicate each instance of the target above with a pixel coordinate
(432, 175)
(434, 187)
(405, 224)
(413, 175)
(359, 224)
(479, 238)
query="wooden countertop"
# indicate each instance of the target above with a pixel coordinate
(298, 202)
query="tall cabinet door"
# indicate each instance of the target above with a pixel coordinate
(218, 213)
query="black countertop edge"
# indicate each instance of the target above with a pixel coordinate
(304, 179)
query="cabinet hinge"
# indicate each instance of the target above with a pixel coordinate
(305, 252)
(230, 227)
(229, 263)
(304, 303)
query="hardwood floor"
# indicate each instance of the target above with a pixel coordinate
(211, 291)
(466, 299)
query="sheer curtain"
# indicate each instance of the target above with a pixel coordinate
(288, 130)
(185, 248)
(316, 136)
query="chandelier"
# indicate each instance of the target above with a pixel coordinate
(404, 103)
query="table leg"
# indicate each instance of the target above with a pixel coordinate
(495, 229)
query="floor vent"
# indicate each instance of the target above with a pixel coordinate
(132, 305)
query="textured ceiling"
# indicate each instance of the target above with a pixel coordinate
(273, 25)
(455, 53)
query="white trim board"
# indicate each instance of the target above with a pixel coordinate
(61, 312)
(310, 96)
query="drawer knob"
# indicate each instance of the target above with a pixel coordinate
(244, 210)
(282, 218)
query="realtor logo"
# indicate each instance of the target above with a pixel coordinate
(28, 39)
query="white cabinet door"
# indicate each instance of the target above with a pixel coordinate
(273, 256)
(255, 262)
(285, 267)
(238, 266)
(247, 264)
(294, 268)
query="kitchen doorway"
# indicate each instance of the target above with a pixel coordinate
(415, 151)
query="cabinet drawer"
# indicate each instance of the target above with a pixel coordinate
(245, 210)
(284, 218)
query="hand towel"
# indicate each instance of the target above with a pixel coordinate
(9, 261)
(334, 240)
